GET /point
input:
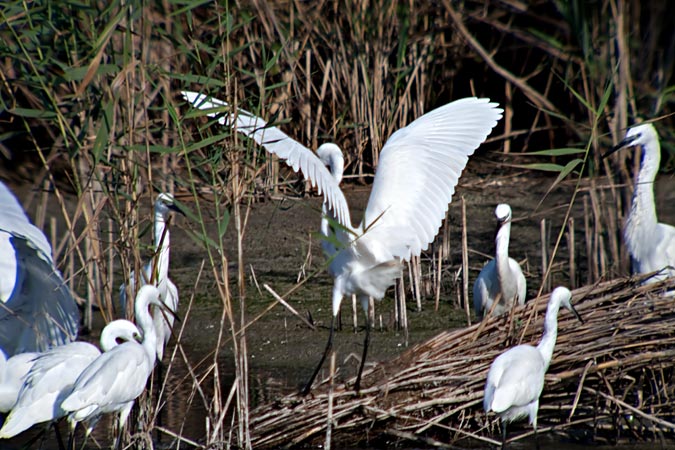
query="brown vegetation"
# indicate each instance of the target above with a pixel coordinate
(89, 104)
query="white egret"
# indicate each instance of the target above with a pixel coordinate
(52, 376)
(156, 271)
(113, 381)
(13, 372)
(502, 276)
(651, 244)
(516, 377)
(37, 310)
(418, 169)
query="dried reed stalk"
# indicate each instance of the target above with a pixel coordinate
(619, 361)
(465, 265)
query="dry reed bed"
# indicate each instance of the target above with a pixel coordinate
(610, 376)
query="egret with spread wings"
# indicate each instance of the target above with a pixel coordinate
(418, 170)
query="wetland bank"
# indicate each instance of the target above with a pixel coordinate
(282, 246)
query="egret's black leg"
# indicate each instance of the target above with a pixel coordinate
(71, 437)
(329, 346)
(366, 342)
(503, 435)
(536, 438)
(118, 437)
(59, 439)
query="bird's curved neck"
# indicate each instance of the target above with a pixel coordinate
(502, 252)
(642, 220)
(145, 323)
(162, 242)
(547, 342)
(327, 232)
(108, 341)
(336, 164)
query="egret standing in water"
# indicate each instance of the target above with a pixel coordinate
(113, 381)
(502, 276)
(418, 169)
(651, 244)
(156, 271)
(52, 375)
(516, 378)
(37, 310)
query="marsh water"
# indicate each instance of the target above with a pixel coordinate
(280, 249)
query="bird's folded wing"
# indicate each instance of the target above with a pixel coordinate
(14, 220)
(418, 170)
(275, 141)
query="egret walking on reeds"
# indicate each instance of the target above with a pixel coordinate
(418, 169)
(501, 279)
(113, 381)
(516, 377)
(651, 244)
(156, 271)
(52, 375)
(37, 310)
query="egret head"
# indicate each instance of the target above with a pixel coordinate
(564, 298)
(331, 155)
(644, 135)
(120, 330)
(165, 204)
(503, 213)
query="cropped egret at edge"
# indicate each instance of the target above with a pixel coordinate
(37, 309)
(52, 375)
(651, 244)
(418, 169)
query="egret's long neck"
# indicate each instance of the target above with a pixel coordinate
(547, 342)
(642, 220)
(145, 323)
(161, 237)
(326, 231)
(502, 261)
(335, 165)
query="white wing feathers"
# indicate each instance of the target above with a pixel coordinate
(275, 141)
(416, 177)
(15, 221)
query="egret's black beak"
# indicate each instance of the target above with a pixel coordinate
(624, 143)
(576, 314)
(166, 311)
(175, 208)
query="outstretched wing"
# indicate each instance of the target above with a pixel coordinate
(275, 141)
(416, 177)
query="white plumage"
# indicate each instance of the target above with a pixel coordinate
(168, 292)
(418, 169)
(13, 372)
(502, 276)
(52, 375)
(37, 310)
(113, 381)
(651, 244)
(516, 377)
